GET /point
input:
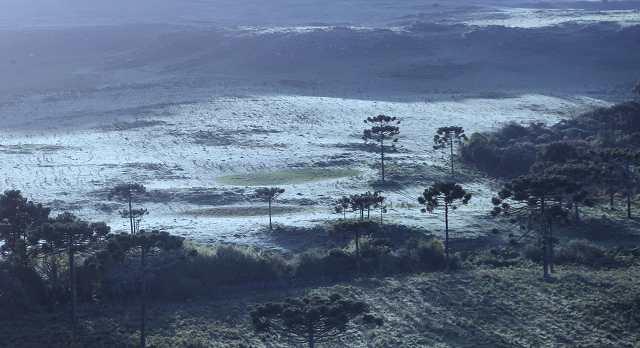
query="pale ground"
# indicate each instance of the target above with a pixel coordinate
(58, 149)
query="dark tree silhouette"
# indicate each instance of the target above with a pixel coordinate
(138, 256)
(17, 218)
(383, 128)
(444, 193)
(312, 320)
(269, 194)
(125, 192)
(636, 89)
(68, 234)
(448, 137)
(532, 196)
(356, 228)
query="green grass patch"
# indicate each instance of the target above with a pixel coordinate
(241, 211)
(288, 177)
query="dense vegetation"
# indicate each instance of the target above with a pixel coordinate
(512, 150)
(201, 296)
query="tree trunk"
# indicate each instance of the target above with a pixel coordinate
(446, 231)
(577, 213)
(312, 339)
(611, 186)
(54, 273)
(357, 251)
(382, 154)
(143, 312)
(451, 145)
(72, 280)
(380, 258)
(270, 226)
(551, 250)
(628, 192)
(545, 243)
(130, 213)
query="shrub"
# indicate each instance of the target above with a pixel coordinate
(427, 255)
(21, 289)
(309, 264)
(221, 264)
(533, 252)
(496, 257)
(319, 262)
(517, 159)
(513, 131)
(580, 251)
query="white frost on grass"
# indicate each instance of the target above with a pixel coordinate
(293, 130)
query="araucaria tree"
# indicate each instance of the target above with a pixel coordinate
(383, 128)
(357, 228)
(269, 194)
(448, 137)
(138, 256)
(126, 192)
(67, 234)
(446, 193)
(533, 196)
(312, 320)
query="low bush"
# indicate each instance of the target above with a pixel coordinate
(580, 251)
(497, 257)
(421, 254)
(533, 252)
(21, 289)
(221, 264)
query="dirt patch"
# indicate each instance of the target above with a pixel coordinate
(123, 126)
(199, 195)
(242, 211)
(289, 177)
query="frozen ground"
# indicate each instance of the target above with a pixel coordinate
(93, 97)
